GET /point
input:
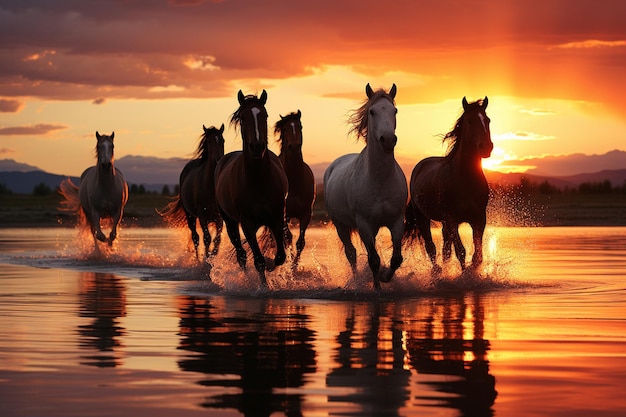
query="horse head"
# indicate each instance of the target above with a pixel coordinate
(104, 150)
(212, 143)
(290, 130)
(252, 119)
(379, 115)
(476, 123)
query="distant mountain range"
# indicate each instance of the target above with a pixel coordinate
(153, 173)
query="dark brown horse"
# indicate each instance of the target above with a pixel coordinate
(196, 200)
(301, 180)
(251, 185)
(453, 189)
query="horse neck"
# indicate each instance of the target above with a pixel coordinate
(291, 159)
(105, 174)
(377, 162)
(466, 161)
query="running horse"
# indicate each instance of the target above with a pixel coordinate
(367, 191)
(251, 185)
(196, 199)
(102, 193)
(452, 189)
(301, 193)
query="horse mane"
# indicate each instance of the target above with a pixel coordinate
(250, 99)
(202, 151)
(359, 117)
(278, 127)
(453, 136)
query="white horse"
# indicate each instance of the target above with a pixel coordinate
(367, 191)
(103, 192)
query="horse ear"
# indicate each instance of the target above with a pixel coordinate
(222, 128)
(240, 97)
(97, 135)
(485, 102)
(112, 135)
(204, 128)
(464, 103)
(393, 91)
(263, 97)
(299, 114)
(369, 91)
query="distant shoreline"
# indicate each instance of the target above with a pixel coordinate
(29, 211)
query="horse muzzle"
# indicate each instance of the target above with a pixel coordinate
(388, 143)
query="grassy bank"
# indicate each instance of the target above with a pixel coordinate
(545, 210)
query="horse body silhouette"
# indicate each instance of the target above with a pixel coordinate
(301, 193)
(102, 193)
(251, 185)
(367, 191)
(453, 189)
(196, 199)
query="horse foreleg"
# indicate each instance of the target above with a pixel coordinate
(348, 248)
(459, 249)
(219, 223)
(195, 238)
(424, 231)
(446, 250)
(373, 259)
(232, 227)
(397, 231)
(281, 256)
(304, 224)
(259, 260)
(206, 235)
(478, 230)
(96, 230)
(116, 222)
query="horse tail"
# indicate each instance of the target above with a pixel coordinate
(71, 199)
(174, 212)
(411, 231)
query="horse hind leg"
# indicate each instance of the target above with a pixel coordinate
(477, 234)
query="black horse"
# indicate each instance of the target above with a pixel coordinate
(251, 185)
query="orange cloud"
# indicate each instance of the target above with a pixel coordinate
(38, 129)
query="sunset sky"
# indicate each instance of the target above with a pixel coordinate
(156, 71)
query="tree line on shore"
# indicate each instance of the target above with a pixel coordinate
(525, 186)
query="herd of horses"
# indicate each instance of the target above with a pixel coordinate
(254, 188)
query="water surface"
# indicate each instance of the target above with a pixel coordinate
(541, 331)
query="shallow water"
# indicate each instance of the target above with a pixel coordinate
(540, 331)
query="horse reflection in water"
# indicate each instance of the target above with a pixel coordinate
(301, 193)
(103, 299)
(251, 186)
(269, 349)
(453, 189)
(102, 193)
(439, 347)
(196, 199)
(386, 345)
(367, 191)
